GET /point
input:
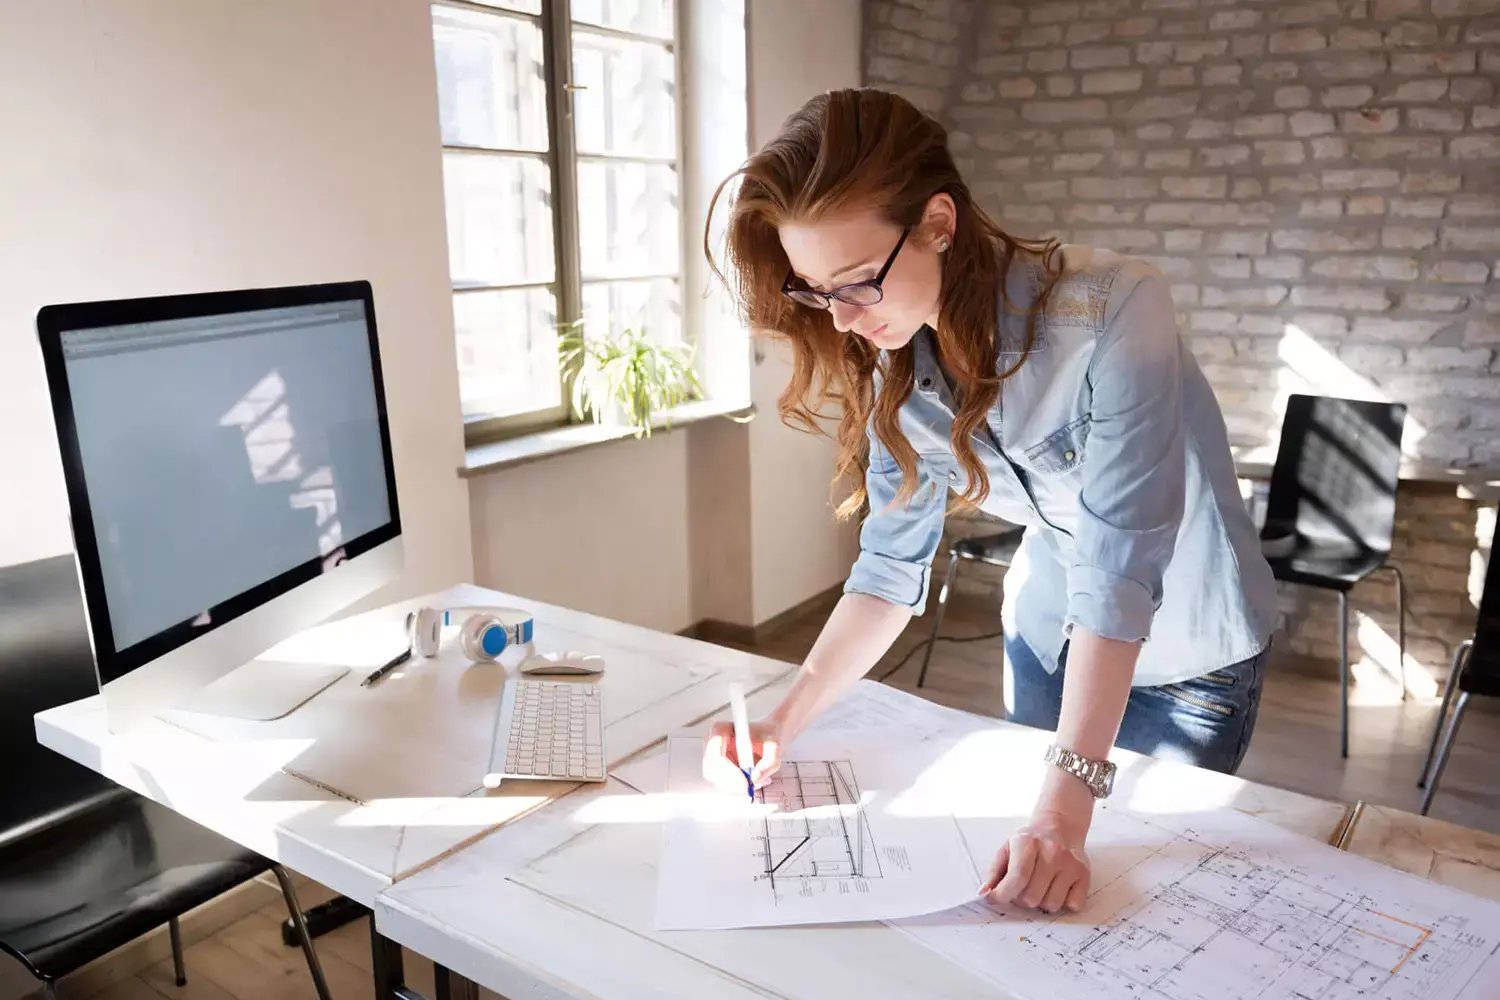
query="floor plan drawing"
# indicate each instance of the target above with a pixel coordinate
(1183, 914)
(1272, 927)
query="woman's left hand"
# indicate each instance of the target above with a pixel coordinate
(1043, 865)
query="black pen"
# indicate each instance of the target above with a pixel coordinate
(394, 662)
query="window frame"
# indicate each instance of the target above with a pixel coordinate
(562, 158)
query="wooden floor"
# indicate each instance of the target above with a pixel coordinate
(1295, 746)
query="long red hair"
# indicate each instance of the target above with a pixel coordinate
(849, 148)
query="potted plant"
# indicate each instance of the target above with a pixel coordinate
(625, 379)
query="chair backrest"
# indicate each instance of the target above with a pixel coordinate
(1336, 471)
(45, 660)
(1482, 671)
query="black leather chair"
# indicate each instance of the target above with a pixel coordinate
(998, 549)
(1475, 670)
(86, 865)
(1332, 504)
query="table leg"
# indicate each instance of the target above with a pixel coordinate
(385, 960)
(452, 986)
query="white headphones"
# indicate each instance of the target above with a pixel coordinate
(485, 633)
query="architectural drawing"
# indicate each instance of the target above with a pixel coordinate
(1179, 915)
(827, 840)
(816, 832)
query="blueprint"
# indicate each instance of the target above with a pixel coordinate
(1222, 906)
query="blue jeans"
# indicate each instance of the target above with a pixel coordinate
(1205, 721)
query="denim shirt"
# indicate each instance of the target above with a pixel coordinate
(1109, 447)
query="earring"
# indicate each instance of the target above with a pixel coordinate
(943, 245)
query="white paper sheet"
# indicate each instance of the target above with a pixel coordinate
(1223, 906)
(869, 707)
(822, 843)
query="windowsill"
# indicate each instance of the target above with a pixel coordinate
(482, 458)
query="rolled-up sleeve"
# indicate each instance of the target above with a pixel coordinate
(898, 540)
(1132, 498)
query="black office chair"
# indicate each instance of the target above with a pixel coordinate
(996, 550)
(1333, 503)
(1475, 670)
(85, 865)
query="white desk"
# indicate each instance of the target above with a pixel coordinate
(547, 889)
(560, 903)
(652, 681)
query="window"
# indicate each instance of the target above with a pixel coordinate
(562, 183)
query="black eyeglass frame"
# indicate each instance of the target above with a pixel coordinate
(825, 299)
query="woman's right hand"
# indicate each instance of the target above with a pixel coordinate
(721, 764)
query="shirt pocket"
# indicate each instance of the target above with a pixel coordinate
(1063, 449)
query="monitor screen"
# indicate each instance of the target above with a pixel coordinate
(220, 449)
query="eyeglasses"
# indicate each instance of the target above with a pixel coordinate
(861, 293)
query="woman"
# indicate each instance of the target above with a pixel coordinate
(1044, 384)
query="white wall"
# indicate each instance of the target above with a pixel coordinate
(155, 146)
(716, 521)
(797, 50)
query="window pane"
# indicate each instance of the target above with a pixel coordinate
(645, 17)
(609, 308)
(499, 219)
(491, 91)
(627, 219)
(507, 351)
(628, 105)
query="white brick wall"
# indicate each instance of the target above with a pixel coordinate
(1332, 165)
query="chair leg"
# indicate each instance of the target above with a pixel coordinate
(51, 990)
(1400, 624)
(937, 617)
(313, 965)
(1447, 747)
(174, 932)
(1343, 674)
(1460, 654)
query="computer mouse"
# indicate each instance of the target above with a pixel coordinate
(570, 662)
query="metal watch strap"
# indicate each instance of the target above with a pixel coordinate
(1098, 775)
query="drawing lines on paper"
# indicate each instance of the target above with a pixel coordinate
(1236, 925)
(817, 833)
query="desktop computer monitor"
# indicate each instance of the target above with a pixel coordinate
(228, 466)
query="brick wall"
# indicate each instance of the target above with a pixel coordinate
(1320, 180)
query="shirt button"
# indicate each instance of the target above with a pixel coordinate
(1068, 456)
(927, 383)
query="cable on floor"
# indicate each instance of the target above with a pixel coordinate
(942, 638)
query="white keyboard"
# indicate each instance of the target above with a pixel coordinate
(548, 729)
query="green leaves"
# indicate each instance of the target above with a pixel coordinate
(628, 376)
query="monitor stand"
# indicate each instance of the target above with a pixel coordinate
(262, 690)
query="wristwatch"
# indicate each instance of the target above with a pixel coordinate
(1099, 775)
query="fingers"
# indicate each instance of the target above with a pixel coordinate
(719, 768)
(768, 763)
(1078, 894)
(1062, 884)
(997, 869)
(1037, 873)
(1023, 860)
(720, 742)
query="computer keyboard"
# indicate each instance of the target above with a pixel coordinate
(555, 731)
